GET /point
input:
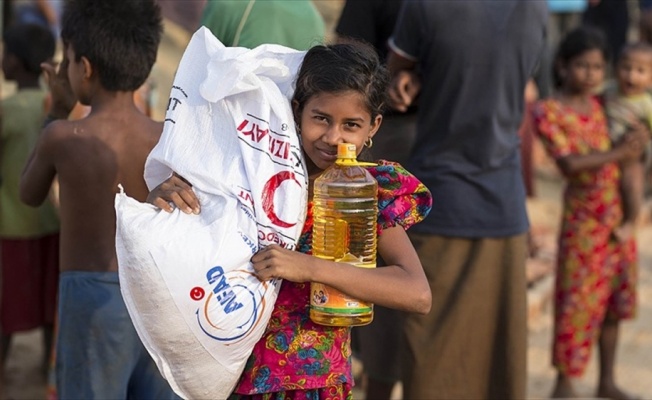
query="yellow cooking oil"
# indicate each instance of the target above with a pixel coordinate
(345, 208)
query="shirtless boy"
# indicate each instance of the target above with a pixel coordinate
(110, 48)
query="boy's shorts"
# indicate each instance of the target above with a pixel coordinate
(99, 354)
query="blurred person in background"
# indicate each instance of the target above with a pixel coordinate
(250, 23)
(595, 285)
(41, 12)
(29, 237)
(474, 59)
(612, 18)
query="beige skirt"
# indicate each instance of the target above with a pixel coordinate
(473, 343)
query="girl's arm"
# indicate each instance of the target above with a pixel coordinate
(630, 148)
(578, 162)
(401, 284)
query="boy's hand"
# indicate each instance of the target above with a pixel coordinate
(638, 131)
(174, 192)
(63, 98)
(635, 140)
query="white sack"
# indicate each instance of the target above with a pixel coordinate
(186, 279)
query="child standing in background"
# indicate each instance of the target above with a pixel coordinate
(629, 104)
(596, 273)
(110, 48)
(29, 237)
(339, 98)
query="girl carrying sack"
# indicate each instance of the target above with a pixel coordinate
(187, 279)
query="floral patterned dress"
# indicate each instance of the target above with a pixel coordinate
(298, 359)
(596, 275)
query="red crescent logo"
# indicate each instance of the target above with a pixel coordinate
(268, 197)
(197, 293)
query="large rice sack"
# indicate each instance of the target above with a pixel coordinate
(186, 279)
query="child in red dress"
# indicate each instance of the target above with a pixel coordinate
(596, 273)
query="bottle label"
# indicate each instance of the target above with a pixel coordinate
(326, 299)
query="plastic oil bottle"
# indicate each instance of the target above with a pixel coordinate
(345, 206)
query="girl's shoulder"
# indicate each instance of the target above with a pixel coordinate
(402, 198)
(547, 105)
(552, 107)
(394, 179)
(545, 109)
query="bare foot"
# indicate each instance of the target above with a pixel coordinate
(614, 393)
(624, 232)
(563, 390)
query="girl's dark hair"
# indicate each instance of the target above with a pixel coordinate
(339, 68)
(119, 38)
(32, 44)
(576, 42)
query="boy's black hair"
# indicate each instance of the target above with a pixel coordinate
(119, 38)
(576, 42)
(342, 67)
(32, 44)
(635, 47)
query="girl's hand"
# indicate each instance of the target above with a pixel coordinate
(275, 261)
(174, 192)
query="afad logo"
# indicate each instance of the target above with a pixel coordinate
(232, 309)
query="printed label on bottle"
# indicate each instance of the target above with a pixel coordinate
(326, 299)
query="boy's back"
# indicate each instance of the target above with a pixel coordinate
(92, 157)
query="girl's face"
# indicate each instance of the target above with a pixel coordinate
(331, 118)
(584, 73)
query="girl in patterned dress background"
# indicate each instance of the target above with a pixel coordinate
(339, 97)
(596, 273)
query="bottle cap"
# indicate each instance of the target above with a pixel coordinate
(346, 151)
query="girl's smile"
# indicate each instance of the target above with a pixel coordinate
(328, 119)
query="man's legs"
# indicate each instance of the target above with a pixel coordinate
(473, 343)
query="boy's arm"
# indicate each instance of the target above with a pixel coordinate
(39, 172)
(36, 180)
(63, 98)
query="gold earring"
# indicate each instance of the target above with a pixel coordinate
(369, 143)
